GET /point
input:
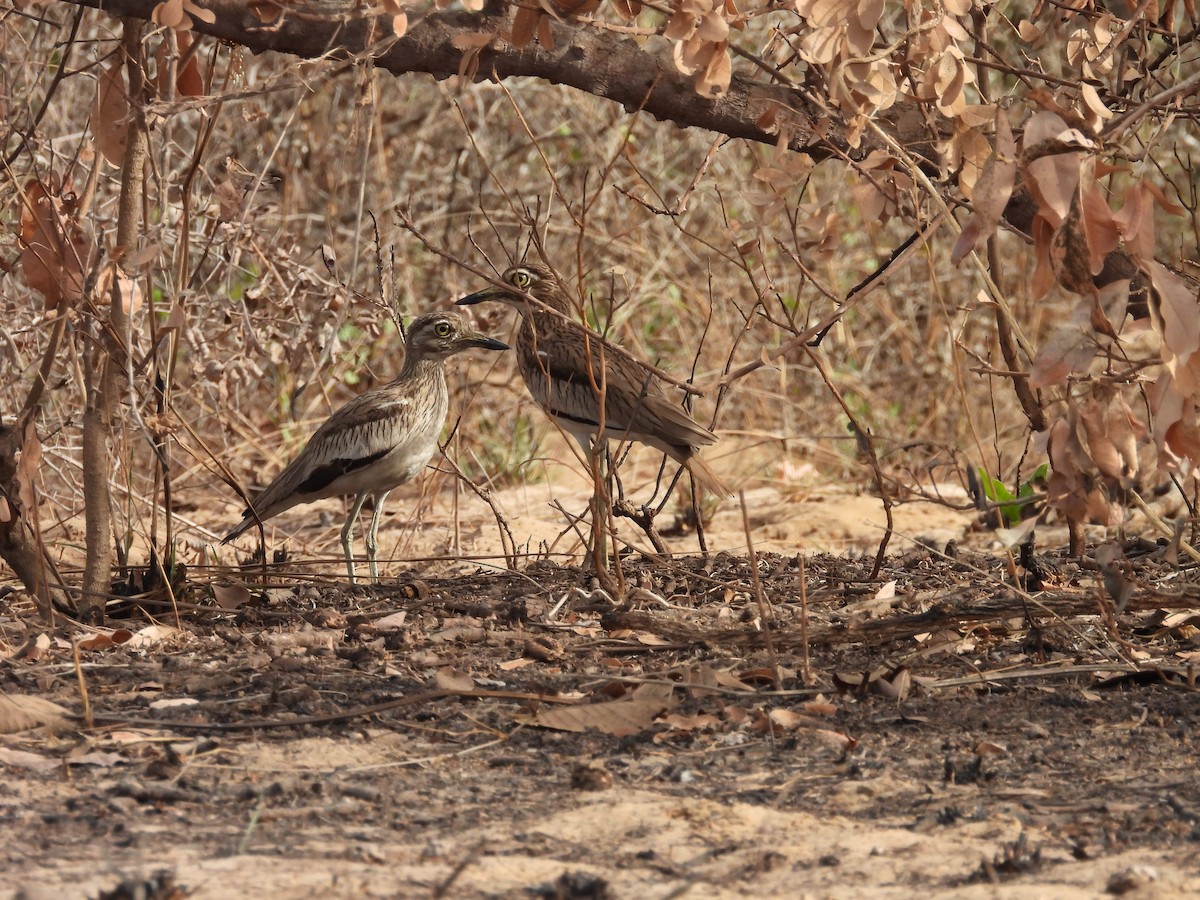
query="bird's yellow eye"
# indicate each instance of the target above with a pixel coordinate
(521, 279)
(442, 329)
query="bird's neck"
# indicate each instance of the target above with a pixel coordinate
(417, 366)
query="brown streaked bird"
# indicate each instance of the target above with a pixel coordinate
(378, 440)
(554, 355)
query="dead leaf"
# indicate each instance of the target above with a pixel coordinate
(524, 26)
(518, 663)
(23, 759)
(620, 718)
(110, 112)
(56, 251)
(189, 78)
(992, 191)
(231, 596)
(449, 678)
(173, 703)
(34, 649)
(393, 622)
(101, 640)
(819, 706)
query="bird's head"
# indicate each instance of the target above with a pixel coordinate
(519, 282)
(442, 334)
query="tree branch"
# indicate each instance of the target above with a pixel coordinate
(597, 62)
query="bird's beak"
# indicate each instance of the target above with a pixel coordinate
(488, 293)
(476, 339)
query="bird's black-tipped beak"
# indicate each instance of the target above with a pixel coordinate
(488, 293)
(483, 342)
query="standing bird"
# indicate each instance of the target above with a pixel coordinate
(378, 440)
(561, 364)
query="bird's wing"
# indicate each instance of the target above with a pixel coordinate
(634, 400)
(363, 431)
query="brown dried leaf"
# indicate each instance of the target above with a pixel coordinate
(110, 112)
(1094, 104)
(156, 634)
(524, 26)
(55, 249)
(189, 78)
(231, 596)
(1043, 274)
(545, 32)
(680, 27)
(617, 717)
(1135, 221)
(170, 14)
(1049, 164)
(449, 678)
(992, 191)
(1175, 314)
(697, 722)
(23, 759)
(1099, 228)
(717, 74)
(474, 40)
(102, 640)
(28, 466)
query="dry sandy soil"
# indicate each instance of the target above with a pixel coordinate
(451, 733)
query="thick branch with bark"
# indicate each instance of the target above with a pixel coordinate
(596, 62)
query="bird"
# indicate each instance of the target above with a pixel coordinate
(560, 363)
(377, 441)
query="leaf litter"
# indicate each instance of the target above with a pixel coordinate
(956, 727)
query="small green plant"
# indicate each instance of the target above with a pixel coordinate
(1012, 505)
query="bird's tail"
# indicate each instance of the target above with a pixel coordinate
(248, 521)
(706, 477)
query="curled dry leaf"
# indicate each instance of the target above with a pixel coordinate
(1093, 456)
(392, 622)
(102, 639)
(714, 82)
(471, 45)
(1135, 221)
(55, 250)
(29, 462)
(179, 14)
